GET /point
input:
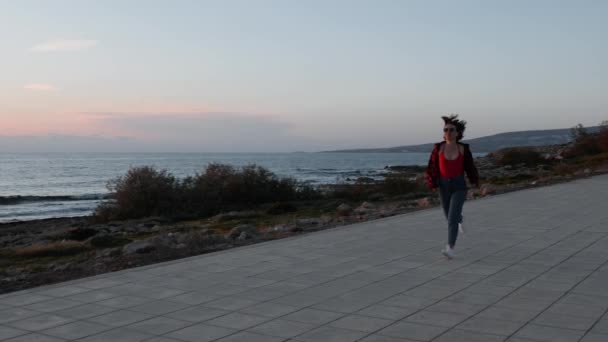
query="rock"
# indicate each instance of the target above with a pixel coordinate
(199, 239)
(279, 228)
(424, 202)
(308, 222)
(109, 252)
(244, 236)
(80, 234)
(141, 247)
(344, 209)
(487, 189)
(238, 230)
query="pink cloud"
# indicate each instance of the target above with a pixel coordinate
(40, 87)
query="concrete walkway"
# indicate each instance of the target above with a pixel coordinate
(532, 267)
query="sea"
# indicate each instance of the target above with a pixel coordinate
(46, 185)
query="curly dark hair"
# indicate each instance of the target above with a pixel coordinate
(460, 125)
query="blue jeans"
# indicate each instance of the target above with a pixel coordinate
(452, 193)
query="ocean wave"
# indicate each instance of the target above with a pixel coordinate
(12, 200)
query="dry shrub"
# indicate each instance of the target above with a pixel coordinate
(60, 248)
(396, 184)
(145, 192)
(584, 146)
(142, 192)
(602, 140)
(520, 155)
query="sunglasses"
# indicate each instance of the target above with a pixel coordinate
(451, 129)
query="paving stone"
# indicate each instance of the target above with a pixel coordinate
(63, 291)
(8, 332)
(26, 299)
(269, 309)
(34, 338)
(197, 314)
(245, 336)
(549, 334)
(313, 316)
(412, 331)
(331, 334)
(442, 319)
(456, 335)
(85, 311)
(592, 337)
(118, 335)
(387, 312)
(91, 296)
(506, 314)
(123, 302)
(201, 333)
(15, 314)
(565, 321)
(283, 328)
(158, 325)
(229, 303)
(380, 338)
(159, 307)
(237, 320)
(490, 326)
(120, 318)
(76, 330)
(361, 323)
(40, 322)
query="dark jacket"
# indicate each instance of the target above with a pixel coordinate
(432, 171)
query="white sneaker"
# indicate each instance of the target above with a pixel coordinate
(448, 252)
(461, 227)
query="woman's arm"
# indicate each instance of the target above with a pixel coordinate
(432, 174)
(470, 168)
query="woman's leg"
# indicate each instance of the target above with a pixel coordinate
(454, 215)
(444, 197)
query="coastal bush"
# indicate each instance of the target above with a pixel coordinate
(392, 185)
(584, 146)
(521, 155)
(397, 184)
(585, 143)
(223, 187)
(145, 191)
(142, 192)
(602, 137)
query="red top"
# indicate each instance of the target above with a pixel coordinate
(451, 168)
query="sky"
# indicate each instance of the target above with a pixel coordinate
(284, 76)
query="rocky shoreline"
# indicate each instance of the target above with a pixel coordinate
(35, 253)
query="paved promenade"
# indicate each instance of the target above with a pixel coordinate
(532, 267)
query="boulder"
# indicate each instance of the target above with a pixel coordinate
(424, 202)
(487, 189)
(344, 209)
(238, 230)
(304, 222)
(141, 247)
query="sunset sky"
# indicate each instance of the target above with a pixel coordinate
(281, 76)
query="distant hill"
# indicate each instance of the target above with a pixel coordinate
(490, 143)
